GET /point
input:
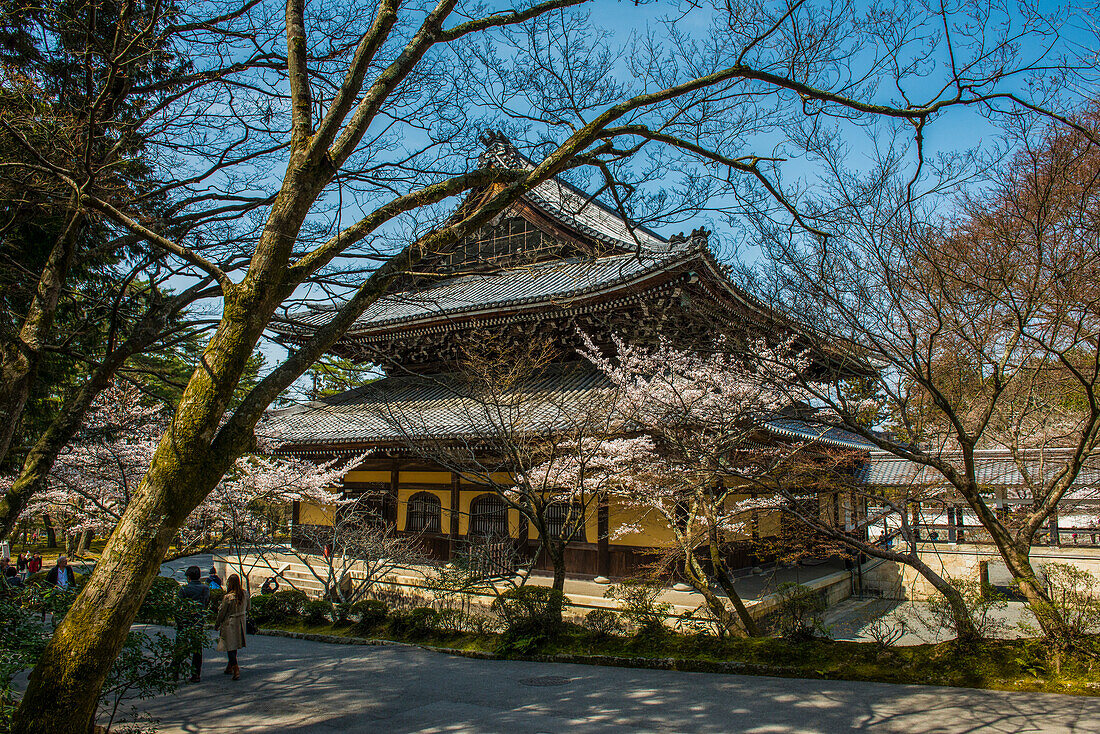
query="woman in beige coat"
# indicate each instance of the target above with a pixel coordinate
(230, 623)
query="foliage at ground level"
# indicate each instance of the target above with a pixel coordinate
(1011, 665)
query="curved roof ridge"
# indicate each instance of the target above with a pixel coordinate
(549, 196)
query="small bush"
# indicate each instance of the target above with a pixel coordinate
(531, 615)
(316, 612)
(288, 604)
(530, 606)
(162, 602)
(261, 608)
(369, 614)
(640, 608)
(216, 601)
(415, 623)
(980, 602)
(800, 612)
(604, 623)
(1075, 595)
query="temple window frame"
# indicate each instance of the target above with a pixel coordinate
(424, 513)
(497, 517)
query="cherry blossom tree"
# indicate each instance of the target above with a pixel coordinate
(542, 451)
(346, 555)
(696, 456)
(94, 478)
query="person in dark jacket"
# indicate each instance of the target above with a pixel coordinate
(199, 593)
(12, 578)
(61, 575)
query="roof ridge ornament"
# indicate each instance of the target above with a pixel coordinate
(499, 149)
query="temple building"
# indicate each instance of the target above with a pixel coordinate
(557, 264)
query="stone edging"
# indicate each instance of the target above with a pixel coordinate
(613, 661)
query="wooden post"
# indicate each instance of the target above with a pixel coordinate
(951, 524)
(603, 551)
(295, 521)
(452, 544)
(389, 511)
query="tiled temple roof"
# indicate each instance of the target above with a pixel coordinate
(437, 407)
(552, 282)
(792, 428)
(396, 409)
(571, 206)
(994, 468)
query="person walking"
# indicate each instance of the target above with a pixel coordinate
(61, 575)
(230, 623)
(191, 619)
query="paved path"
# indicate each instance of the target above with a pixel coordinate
(297, 687)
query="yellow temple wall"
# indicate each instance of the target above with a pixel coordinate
(646, 529)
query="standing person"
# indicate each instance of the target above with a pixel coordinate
(34, 565)
(199, 593)
(21, 565)
(61, 575)
(214, 581)
(230, 623)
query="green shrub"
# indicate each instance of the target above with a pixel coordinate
(800, 612)
(532, 617)
(261, 607)
(288, 604)
(216, 600)
(369, 614)
(1075, 595)
(640, 608)
(415, 623)
(316, 612)
(533, 607)
(983, 604)
(162, 603)
(604, 623)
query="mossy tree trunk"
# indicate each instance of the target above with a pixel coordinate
(21, 353)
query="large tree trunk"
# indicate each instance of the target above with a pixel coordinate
(20, 356)
(1050, 619)
(1016, 553)
(51, 534)
(718, 568)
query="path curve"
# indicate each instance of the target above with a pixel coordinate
(296, 687)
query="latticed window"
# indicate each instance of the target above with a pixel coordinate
(424, 513)
(488, 517)
(564, 521)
